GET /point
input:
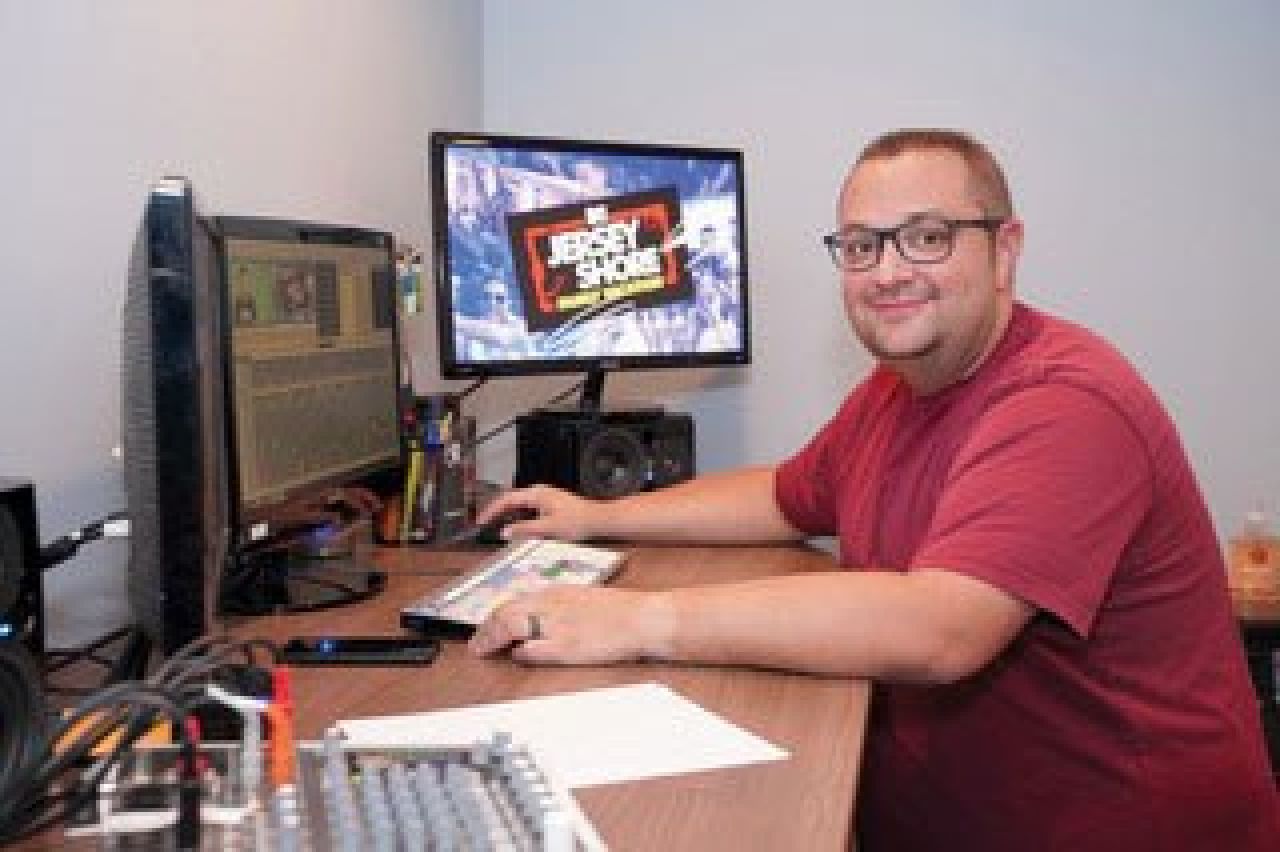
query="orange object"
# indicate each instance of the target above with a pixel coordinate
(282, 687)
(281, 770)
(280, 724)
(159, 733)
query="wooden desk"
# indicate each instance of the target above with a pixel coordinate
(804, 802)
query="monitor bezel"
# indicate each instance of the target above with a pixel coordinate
(451, 367)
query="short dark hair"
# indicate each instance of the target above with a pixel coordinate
(984, 171)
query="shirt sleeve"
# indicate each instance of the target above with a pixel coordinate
(802, 492)
(1042, 501)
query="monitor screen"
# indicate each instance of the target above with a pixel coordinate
(312, 361)
(555, 255)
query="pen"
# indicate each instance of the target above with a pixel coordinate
(409, 499)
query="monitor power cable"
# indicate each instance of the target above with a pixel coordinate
(507, 424)
(115, 525)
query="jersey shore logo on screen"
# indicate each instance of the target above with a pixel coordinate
(579, 258)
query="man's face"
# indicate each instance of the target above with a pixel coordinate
(933, 323)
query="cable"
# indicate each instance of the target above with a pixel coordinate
(126, 710)
(507, 424)
(173, 672)
(29, 808)
(87, 788)
(115, 525)
(473, 387)
(57, 659)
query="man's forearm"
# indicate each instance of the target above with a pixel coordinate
(928, 627)
(735, 506)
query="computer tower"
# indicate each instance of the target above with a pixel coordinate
(604, 454)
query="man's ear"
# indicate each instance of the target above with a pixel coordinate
(1007, 244)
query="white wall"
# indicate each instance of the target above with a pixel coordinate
(1139, 138)
(1138, 141)
(311, 109)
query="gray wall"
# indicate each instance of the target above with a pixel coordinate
(1138, 141)
(314, 109)
(1139, 138)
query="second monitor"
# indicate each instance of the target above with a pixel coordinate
(557, 255)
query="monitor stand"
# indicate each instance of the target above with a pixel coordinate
(299, 576)
(592, 390)
(591, 406)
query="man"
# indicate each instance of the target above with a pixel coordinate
(1040, 596)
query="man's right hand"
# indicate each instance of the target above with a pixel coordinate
(560, 514)
(730, 506)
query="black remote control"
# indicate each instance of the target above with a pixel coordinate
(359, 651)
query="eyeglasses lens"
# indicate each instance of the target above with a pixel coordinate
(925, 241)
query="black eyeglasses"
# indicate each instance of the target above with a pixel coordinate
(923, 238)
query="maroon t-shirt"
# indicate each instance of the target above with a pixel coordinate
(1122, 717)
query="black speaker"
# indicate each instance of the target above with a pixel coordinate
(604, 453)
(21, 629)
(21, 600)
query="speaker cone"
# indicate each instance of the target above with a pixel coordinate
(613, 464)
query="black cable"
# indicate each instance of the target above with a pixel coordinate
(57, 659)
(76, 799)
(175, 673)
(472, 388)
(507, 424)
(32, 809)
(126, 710)
(120, 692)
(217, 648)
(61, 549)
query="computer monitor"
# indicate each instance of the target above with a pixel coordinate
(172, 421)
(312, 356)
(261, 372)
(557, 255)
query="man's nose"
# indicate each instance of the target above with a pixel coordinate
(892, 266)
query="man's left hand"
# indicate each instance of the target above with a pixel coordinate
(574, 625)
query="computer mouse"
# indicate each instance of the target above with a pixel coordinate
(490, 532)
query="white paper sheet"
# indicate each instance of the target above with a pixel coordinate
(580, 739)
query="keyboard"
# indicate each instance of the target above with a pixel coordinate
(455, 611)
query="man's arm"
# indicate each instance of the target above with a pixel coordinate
(927, 626)
(735, 506)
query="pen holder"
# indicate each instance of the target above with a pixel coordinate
(438, 500)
